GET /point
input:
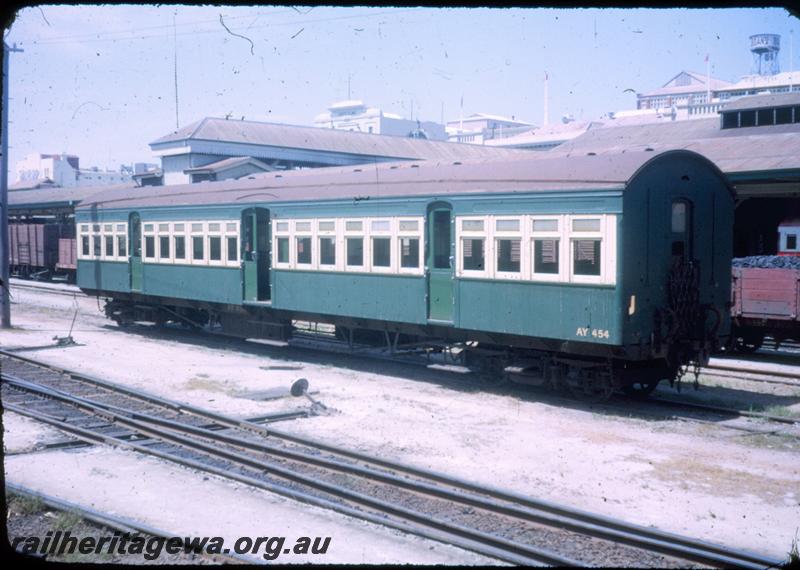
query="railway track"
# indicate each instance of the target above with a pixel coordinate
(496, 523)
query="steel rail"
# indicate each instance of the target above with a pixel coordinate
(448, 533)
(141, 422)
(724, 410)
(53, 290)
(763, 371)
(630, 539)
(521, 500)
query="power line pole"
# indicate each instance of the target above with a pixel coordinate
(5, 302)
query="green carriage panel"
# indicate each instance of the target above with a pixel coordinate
(199, 283)
(103, 275)
(552, 310)
(394, 298)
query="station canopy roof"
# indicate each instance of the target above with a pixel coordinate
(768, 151)
(325, 140)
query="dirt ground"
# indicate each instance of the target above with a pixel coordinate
(707, 480)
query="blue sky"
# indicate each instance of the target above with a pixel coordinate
(99, 81)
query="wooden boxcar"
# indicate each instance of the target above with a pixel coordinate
(599, 272)
(33, 248)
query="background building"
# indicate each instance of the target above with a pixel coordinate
(480, 127)
(354, 115)
(64, 170)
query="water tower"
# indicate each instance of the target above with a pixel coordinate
(765, 48)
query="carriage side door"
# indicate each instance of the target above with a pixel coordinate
(439, 263)
(255, 254)
(135, 245)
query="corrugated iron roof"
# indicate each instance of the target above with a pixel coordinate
(763, 100)
(230, 163)
(536, 173)
(732, 150)
(330, 140)
(27, 198)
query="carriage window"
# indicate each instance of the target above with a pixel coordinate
(122, 242)
(233, 248)
(163, 247)
(109, 246)
(180, 247)
(381, 251)
(85, 245)
(546, 244)
(327, 226)
(327, 250)
(197, 248)
(545, 256)
(409, 252)
(441, 240)
(791, 242)
(354, 226)
(472, 249)
(283, 250)
(508, 255)
(304, 250)
(150, 247)
(96, 245)
(678, 217)
(586, 256)
(584, 225)
(355, 251)
(214, 247)
(508, 247)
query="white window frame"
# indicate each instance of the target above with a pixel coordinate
(164, 233)
(218, 233)
(121, 230)
(508, 234)
(372, 233)
(84, 230)
(362, 233)
(563, 249)
(488, 254)
(187, 242)
(234, 233)
(152, 232)
(191, 233)
(418, 234)
(608, 244)
(282, 233)
(320, 233)
(296, 234)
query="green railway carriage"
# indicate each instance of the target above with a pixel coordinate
(600, 272)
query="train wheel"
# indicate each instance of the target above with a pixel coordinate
(589, 385)
(640, 389)
(749, 342)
